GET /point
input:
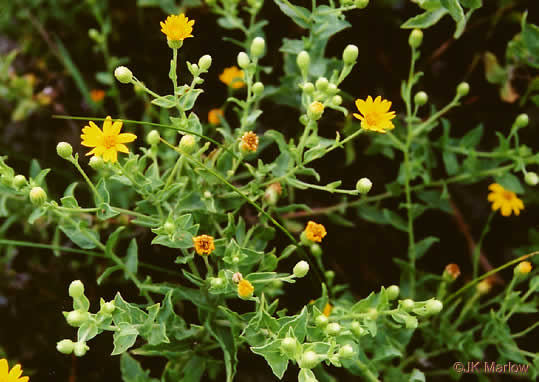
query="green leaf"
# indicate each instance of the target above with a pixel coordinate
(227, 343)
(395, 220)
(417, 376)
(272, 354)
(103, 192)
(187, 101)
(472, 137)
(451, 162)
(107, 273)
(530, 35)
(166, 102)
(105, 211)
(457, 13)
(132, 371)
(314, 153)
(124, 338)
(299, 15)
(306, 375)
(510, 182)
(425, 20)
(131, 260)
(80, 234)
(421, 247)
(69, 202)
(87, 331)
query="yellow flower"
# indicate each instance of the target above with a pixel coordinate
(249, 141)
(327, 309)
(523, 267)
(245, 289)
(504, 199)
(177, 27)
(214, 116)
(97, 95)
(108, 142)
(10, 376)
(315, 232)
(204, 244)
(232, 77)
(375, 115)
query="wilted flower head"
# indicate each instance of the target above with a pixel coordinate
(204, 244)
(315, 231)
(249, 141)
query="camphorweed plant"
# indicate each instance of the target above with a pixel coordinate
(191, 186)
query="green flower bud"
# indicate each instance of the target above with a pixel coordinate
(76, 289)
(433, 306)
(416, 38)
(94, 34)
(316, 249)
(308, 360)
(204, 62)
(322, 84)
(346, 351)
(65, 346)
(64, 150)
(361, 3)
(187, 144)
(463, 89)
(243, 60)
(410, 322)
(257, 47)
(522, 120)
(76, 318)
(20, 181)
(407, 304)
(332, 89)
(364, 185)
(108, 307)
(330, 275)
(217, 283)
(333, 329)
(530, 178)
(301, 269)
(169, 227)
(321, 321)
(96, 163)
(174, 44)
(38, 196)
(421, 98)
(80, 349)
(258, 88)
(123, 74)
(393, 292)
(336, 100)
(308, 88)
(289, 346)
(303, 60)
(315, 111)
(349, 54)
(357, 329)
(153, 137)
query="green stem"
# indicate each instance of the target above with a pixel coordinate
(75, 162)
(477, 249)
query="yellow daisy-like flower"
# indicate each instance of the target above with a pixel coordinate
(177, 27)
(232, 77)
(505, 200)
(249, 142)
(108, 142)
(375, 115)
(214, 115)
(204, 244)
(245, 289)
(315, 231)
(10, 376)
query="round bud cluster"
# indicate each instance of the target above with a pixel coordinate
(76, 289)
(308, 360)
(258, 88)
(65, 346)
(346, 351)
(407, 304)
(80, 349)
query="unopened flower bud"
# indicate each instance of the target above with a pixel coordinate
(187, 144)
(316, 249)
(451, 272)
(303, 60)
(108, 307)
(80, 349)
(289, 346)
(65, 346)
(153, 137)
(316, 109)
(463, 89)
(393, 292)
(20, 181)
(38, 196)
(333, 329)
(410, 322)
(322, 84)
(308, 88)
(407, 304)
(257, 47)
(321, 321)
(433, 306)
(64, 150)
(421, 98)
(346, 351)
(332, 89)
(522, 120)
(531, 178)
(169, 227)
(204, 62)
(360, 4)
(523, 268)
(76, 318)
(336, 100)
(258, 88)
(308, 360)
(96, 162)
(123, 74)
(416, 38)
(76, 289)
(301, 269)
(364, 185)
(349, 54)
(356, 328)
(243, 60)
(217, 282)
(237, 277)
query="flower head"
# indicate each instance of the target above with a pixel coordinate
(108, 142)
(214, 116)
(177, 27)
(315, 232)
(523, 268)
(452, 271)
(245, 289)
(204, 244)
(327, 309)
(505, 200)
(249, 142)
(10, 376)
(232, 77)
(375, 115)
(97, 95)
